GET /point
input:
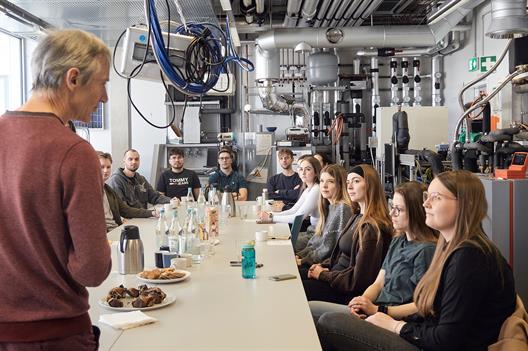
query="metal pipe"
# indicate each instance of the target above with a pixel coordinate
(483, 102)
(309, 9)
(478, 79)
(339, 12)
(508, 19)
(359, 12)
(436, 82)
(374, 71)
(259, 4)
(443, 11)
(349, 13)
(292, 13)
(320, 15)
(331, 12)
(372, 7)
(346, 37)
(406, 98)
(417, 79)
(395, 99)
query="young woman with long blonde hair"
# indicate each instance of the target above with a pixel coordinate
(361, 247)
(463, 298)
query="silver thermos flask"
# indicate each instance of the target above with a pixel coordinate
(227, 199)
(130, 252)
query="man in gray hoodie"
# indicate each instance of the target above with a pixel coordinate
(132, 187)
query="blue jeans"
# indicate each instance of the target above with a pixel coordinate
(343, 331)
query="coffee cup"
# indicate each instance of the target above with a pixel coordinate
(179, 262)
(167, 257)
(261, 235)
(188, 257)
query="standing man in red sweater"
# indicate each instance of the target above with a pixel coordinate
(52, 225)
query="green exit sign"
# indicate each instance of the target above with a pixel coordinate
(482, 63)
(473, 64)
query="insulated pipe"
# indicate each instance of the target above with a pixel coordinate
(372, 7)
(320, 15)
(395, 99)
(436, 69)
(292, 12)
(406, 98)
(349, 13)
(359, 13)
(374, 71)
(331, 12)
(347, 37)
(309, 9)
(339, 12)
(417, 79)
(259, 4)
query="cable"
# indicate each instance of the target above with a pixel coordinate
(170, 97)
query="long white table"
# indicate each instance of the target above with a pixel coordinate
(216, 309)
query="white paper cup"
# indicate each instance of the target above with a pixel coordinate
(188, 257)
(179, 262)
(261, 235)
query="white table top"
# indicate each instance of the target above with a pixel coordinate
(216, 308)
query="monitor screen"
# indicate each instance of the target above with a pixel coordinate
(518, 159)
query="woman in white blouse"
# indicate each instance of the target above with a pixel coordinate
(306, 205)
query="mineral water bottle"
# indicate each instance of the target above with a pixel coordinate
(175, 230)
(201, 206)
(190, 198)
(249, 264)
(162, 231)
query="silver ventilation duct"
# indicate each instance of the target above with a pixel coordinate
(268, 67)
(508, 19)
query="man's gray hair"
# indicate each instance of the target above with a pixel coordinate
(61, 50)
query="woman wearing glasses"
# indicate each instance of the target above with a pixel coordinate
(409, 256)
(463, 298)
(361, 247)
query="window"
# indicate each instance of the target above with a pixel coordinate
(10, 72)
(96, 122)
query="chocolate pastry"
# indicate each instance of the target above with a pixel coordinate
(118, 292)
(132, 292)
(115, 302)
(143, 301)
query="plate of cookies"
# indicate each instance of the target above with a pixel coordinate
(163, 275)
(142, 298)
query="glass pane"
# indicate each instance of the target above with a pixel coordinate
(10, 73)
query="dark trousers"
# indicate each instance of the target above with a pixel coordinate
(343, 331)
(317, 290)
(87, 341)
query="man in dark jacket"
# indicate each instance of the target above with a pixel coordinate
(114, 207)
(132, 187)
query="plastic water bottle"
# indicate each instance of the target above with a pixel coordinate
(249, 265)
(190, 198)
(175, 230)
(162, 231)
(201, 206)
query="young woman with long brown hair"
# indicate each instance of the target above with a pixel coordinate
(463, 298)
(410, 254)
(334, 212)
(361, 247)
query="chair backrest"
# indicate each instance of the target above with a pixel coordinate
(296, 228)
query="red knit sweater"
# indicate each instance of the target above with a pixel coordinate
(52, 228)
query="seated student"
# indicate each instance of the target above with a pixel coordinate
(176, 181)
(286, 185)
(462, 299)
(114, 207)
(132, 187)
(334, 212)
(361, 247)
(226, 178)
(306, 205)
(409, 256)
(323, 160)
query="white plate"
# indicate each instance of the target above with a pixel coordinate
(128, 304)
(166, 281)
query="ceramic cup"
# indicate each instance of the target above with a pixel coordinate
(261, 235)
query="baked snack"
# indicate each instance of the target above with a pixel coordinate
(141, 297)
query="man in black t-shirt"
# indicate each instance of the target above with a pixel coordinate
(175, 181)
